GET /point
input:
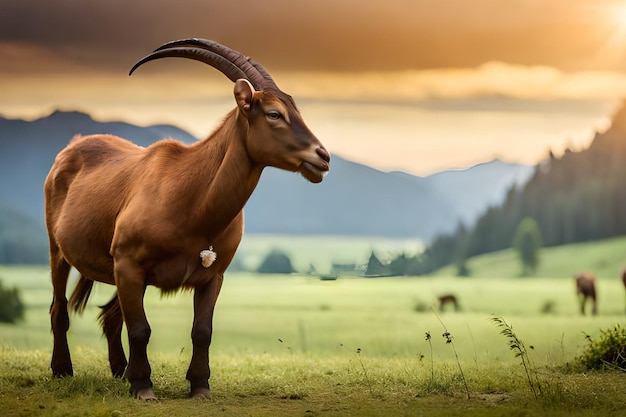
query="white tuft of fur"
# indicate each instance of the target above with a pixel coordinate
(208, 257)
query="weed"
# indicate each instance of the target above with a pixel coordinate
(608, 352)
(517, 345)
(357, 353)
(448, 336)
(432, 362)
(11, 305)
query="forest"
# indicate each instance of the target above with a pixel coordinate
(577, 197)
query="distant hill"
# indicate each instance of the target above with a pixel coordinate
(358, 200)
(352, 200)
(578, 197)
(470, 191)
(29, 148)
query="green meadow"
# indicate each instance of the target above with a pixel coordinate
(297, 345)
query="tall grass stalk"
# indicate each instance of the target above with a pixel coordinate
(432, 361)
(448, 336)
(517, 345)
(357, 353)
(469, 330)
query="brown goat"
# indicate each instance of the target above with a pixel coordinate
(168, 215)
(448, 299)
(586, 289)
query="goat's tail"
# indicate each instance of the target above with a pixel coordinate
(111, 318)
(80, 295)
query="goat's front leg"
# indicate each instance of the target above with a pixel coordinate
(583, 301)
(130, 283)
(595, 306)
(202, 330)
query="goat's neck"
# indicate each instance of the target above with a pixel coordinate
(227, 181)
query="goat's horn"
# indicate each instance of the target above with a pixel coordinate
(237, 58)
(231, 63)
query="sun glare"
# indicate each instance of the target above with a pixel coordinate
(620, 16)
(611, 16)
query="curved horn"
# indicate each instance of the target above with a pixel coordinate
(231, 63)
(249, 66)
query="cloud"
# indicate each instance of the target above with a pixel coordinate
(491, 79)
(493, 86)
(347, 35)
(27, 59)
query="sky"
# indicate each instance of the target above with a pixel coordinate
(413, 85)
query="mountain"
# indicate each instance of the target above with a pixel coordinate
(352, 200)
(358, 200)
(470, 191)
(29, 148)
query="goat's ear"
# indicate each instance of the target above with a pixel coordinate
(243, 94)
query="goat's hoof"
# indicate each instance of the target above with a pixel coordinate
(202, 393)
(146, 395)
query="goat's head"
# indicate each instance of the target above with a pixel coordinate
(277, 135)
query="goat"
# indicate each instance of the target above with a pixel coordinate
(169, 215)
(445, 299)
(586, 289)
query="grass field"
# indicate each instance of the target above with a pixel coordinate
(295, 345)
(322, 251)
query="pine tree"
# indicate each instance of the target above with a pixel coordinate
(527, 243)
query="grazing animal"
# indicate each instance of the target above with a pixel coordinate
(168, 215)
(586, 289)
(446, 299)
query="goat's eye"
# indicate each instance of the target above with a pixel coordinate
(274, 115)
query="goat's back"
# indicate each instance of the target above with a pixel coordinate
(94, 165)
(86, 187)
(585, 283)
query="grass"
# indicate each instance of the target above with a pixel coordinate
(517, 345)
(315, 316)
(299, 346)
(606, 259)
(301, 385)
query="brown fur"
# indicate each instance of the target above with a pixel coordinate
(446, 299)
(586, 289)
(131, 217)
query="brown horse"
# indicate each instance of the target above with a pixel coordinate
(586, 288)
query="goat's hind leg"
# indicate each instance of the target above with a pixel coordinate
(130, 283)
(111, 320)
(61, 363)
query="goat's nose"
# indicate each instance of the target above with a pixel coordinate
(323, 153)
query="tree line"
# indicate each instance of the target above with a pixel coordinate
(575, 198)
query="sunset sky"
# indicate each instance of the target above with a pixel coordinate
(412, 85)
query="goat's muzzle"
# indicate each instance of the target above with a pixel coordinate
(315, 170)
